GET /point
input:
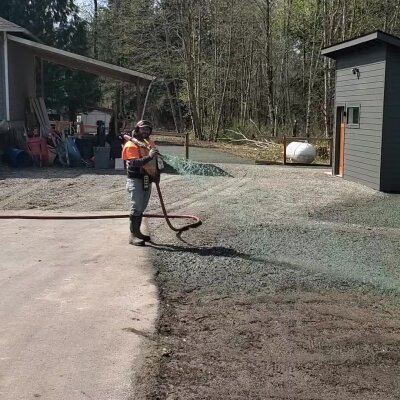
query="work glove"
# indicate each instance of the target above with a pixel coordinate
(154, 153)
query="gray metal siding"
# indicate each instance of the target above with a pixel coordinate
(22, 79)
(362, 146)
(2, 83)
(390, 172)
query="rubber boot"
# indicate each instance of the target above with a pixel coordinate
(135, 237)
(146, 238)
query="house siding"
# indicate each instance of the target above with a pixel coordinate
(363, 144)
(21, 78)
(390, 172)
(2, 82)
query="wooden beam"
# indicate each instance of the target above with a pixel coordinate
(187, 146)
(41, 78)
(6, 77)
(80, 63)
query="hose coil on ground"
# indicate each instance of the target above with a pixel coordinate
(197, 222)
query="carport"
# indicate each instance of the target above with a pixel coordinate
(21, 59)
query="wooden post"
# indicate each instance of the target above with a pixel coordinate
(115, 111)
(331, 152)
(42, 78)
(187, 145)
(284, 149)
(6, 76)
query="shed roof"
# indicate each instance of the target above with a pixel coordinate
(78, 62)
(370, 38)
(8, 26)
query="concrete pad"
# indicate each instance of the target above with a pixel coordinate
(77, 305)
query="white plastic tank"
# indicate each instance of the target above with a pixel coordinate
(302, 153)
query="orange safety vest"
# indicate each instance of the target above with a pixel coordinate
(132, 150)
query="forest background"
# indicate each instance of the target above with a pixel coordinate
(222, 65)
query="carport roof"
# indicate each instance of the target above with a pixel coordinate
(377, 37)
(8, 26)
(78, 62)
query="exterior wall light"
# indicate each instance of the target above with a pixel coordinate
(356, 71)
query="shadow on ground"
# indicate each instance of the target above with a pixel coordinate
(216, 251)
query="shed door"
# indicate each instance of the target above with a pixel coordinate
(341, 152)
(340, 140)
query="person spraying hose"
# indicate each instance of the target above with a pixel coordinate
(143, 169)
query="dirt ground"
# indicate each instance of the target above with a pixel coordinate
(289, 290)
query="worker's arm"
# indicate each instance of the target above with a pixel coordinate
(136, 162)
(139, 162)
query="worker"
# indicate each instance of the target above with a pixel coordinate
(140, 155)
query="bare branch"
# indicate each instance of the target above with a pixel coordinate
(261, 144)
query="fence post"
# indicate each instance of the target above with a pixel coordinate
(284, 149)
(187, 145)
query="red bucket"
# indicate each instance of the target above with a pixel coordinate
(37, 148)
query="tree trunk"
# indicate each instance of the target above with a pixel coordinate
(186, 19)
(95, 50)
(268, 66)
(227, 75)
(314, 61)
(171, 102)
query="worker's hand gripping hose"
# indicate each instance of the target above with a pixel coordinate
(197, 222)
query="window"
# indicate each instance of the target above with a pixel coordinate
(353, 116)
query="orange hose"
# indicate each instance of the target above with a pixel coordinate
(197, 222)
(167, 217)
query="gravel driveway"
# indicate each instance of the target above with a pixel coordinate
(289, 290)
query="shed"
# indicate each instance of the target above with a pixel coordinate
(21, 59)
(367, 109)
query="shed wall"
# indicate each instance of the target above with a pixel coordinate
(22, 79)
(390, 170)
(2, 82)
(362, 145)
